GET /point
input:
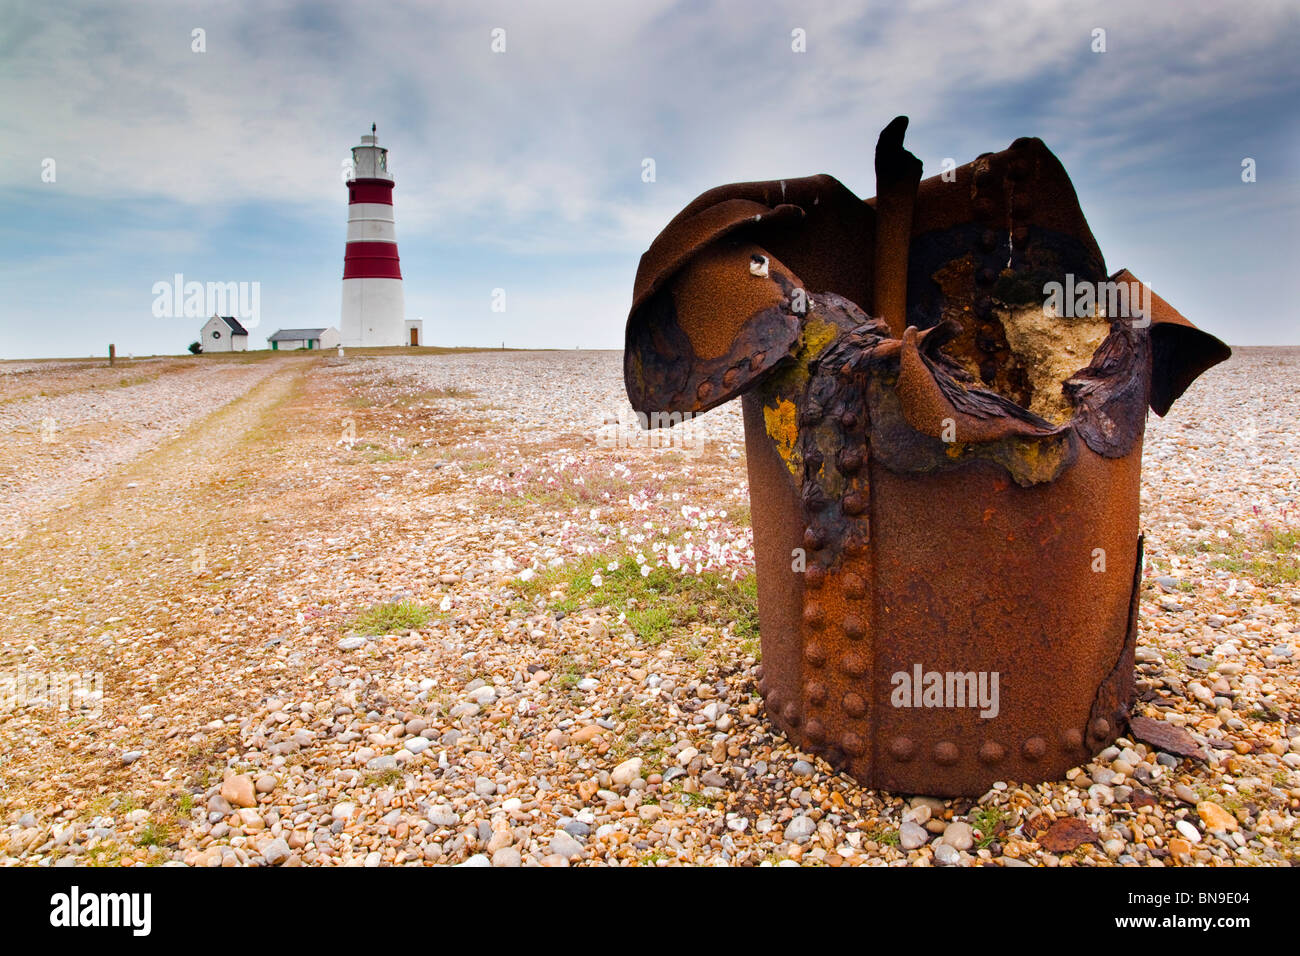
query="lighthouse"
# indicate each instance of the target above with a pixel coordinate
(373, 306)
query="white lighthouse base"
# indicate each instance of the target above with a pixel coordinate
(374, 313)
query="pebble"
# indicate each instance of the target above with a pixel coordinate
(564, 845)
(800, 829)
(276, 852)
(1187, 830)
(911, 836)
(958, 835)
(506, 856)
(946, 854)
(626, 772)
(238, 791)
(439, 816)
(1215, 817)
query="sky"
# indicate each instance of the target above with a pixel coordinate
(128, 156)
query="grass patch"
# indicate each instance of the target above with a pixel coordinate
(659, 605)
(989, 821)
(155, 833)
(653, 624)
(676, 794)
(568, 672)
(1271, 558)
(126, 804)
(391, 618)
(885, 836)
(103, 854)
(385, 778)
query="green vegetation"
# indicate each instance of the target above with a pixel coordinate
(884, 835)
(155, 833)
(676, 794)
(1271, 558)
(391, 618)
(660, 605)
(987, 820)
(103, 854)
(384, 778)
(568, 672)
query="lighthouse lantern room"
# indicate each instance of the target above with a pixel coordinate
(373, 305)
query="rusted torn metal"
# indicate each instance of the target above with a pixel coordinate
(943, 464)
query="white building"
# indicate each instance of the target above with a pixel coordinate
(289, 339)
(223, 333)
(415, 331)
(374, 308)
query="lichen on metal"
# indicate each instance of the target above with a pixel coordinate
(944, 453)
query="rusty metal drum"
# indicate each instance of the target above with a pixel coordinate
(944, 396)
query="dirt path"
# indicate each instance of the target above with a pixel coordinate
(110, 583)
(79, 425)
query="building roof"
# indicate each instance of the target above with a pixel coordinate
(233, 324)
(296, 335)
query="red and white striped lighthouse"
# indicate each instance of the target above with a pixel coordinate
(374, 309)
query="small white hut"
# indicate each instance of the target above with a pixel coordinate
(289, 339)
(223, 333)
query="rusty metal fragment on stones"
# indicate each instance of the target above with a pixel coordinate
(944, 470)
(1067, 834)
(1165, 736)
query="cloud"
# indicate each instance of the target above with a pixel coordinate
(535, 154)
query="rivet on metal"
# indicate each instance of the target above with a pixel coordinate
(945, 753)
(902, 748)
(814, 730)
(854, 664)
